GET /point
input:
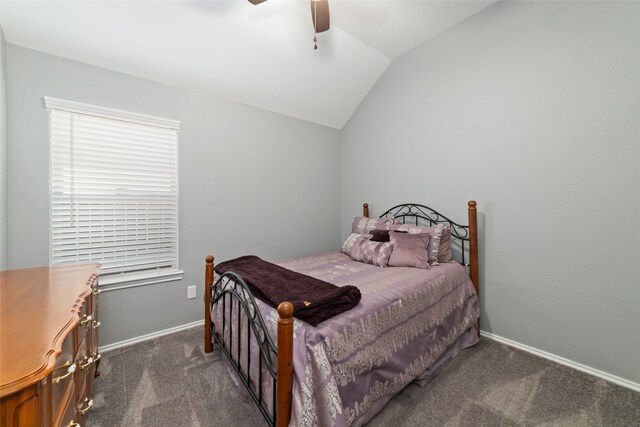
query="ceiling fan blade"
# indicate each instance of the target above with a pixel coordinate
(320, 12)
(254, 2)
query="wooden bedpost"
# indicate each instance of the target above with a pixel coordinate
(285, 364)
(473, 248)
(208, 282)
(365, 210)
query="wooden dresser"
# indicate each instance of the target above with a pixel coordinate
(48, 344)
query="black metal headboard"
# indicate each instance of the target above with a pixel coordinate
(413, 213)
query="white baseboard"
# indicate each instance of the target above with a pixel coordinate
(561, 360)
(150, 336)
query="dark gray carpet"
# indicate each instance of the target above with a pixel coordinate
(169, 381)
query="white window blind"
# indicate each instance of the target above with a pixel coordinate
(114, 190)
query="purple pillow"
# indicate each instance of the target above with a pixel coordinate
(434, 232)
(439, 248)
(364, 225)
(376, 253)
(444, 252)
(409, 250)
(381, 235)
(351, 239)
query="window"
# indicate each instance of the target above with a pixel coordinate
(114, 192)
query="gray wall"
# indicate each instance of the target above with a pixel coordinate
(250, 181)
(532, 109)
(3, 152)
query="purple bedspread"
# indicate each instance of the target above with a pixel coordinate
(408, 324)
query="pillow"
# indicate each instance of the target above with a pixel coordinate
(351, 239)
(435, 233)
(409, 250)
(444, 251)
(364, 250)
(381, 235)
(364, 225)
(360, 248)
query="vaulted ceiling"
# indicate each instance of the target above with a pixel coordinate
(256, 55)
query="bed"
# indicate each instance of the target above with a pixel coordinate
(409, 323)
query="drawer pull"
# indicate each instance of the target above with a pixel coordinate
(89, 405)
(96, 291)
(86, 319)
(96, 323)
(66, 365)
(70, 370)
(89, 362)
(73, 424)
(97, 357)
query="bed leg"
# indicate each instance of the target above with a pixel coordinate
(365, 210)
(208, 282)
(285, 364)
(473, 248)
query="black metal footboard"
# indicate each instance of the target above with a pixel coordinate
(240, 324)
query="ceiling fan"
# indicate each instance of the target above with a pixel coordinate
(319, 16)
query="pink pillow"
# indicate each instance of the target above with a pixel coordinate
(409, 250)
(435, 233)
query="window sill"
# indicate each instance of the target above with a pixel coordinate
(133, 281)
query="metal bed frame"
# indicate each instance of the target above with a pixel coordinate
(277, 359)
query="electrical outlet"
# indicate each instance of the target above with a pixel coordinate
(191, 292)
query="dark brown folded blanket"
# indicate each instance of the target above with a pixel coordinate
(313, 300)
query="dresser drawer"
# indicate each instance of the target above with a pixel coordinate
(83, 407)
(86, 318)
(66, 414)
(64, 373)
(67, 353)
(95, 327)
(85, 310)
